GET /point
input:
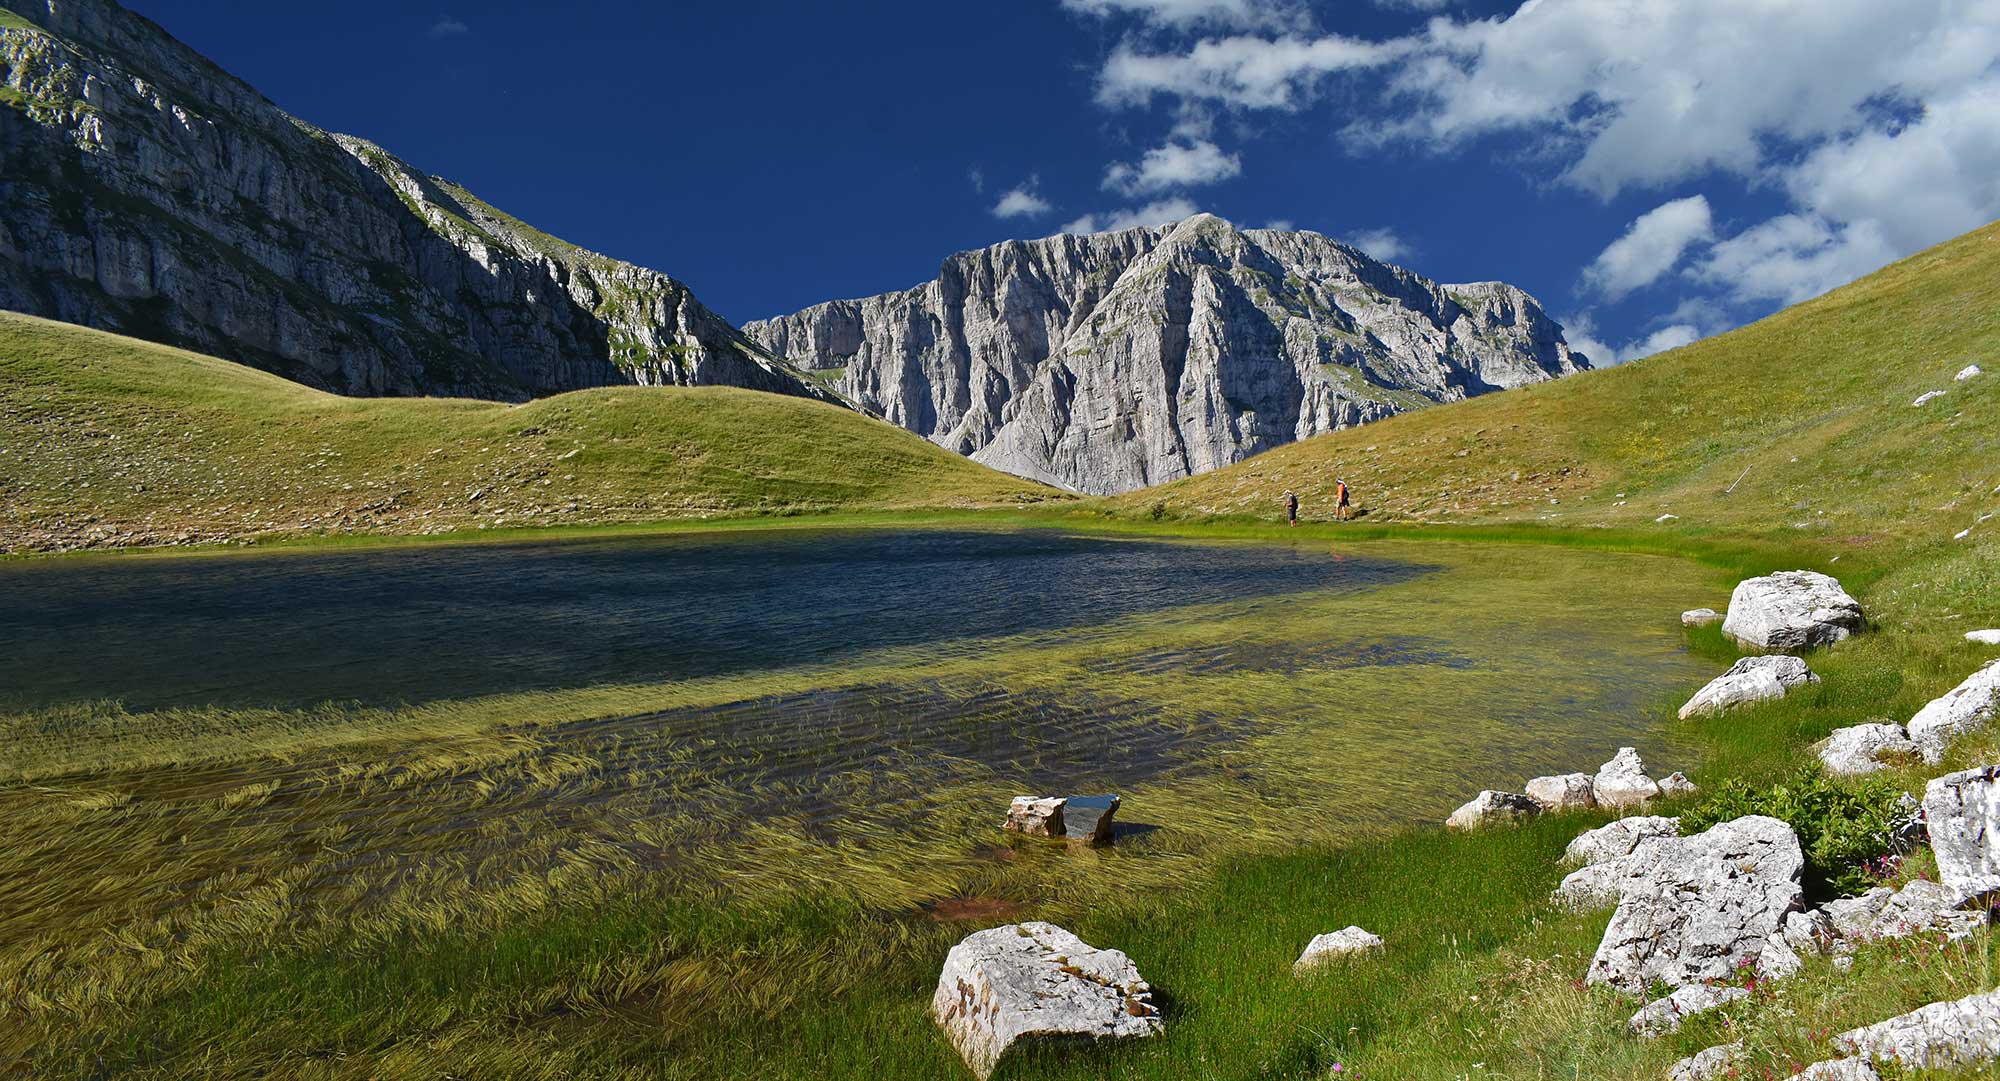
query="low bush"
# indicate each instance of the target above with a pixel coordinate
(1840, 826)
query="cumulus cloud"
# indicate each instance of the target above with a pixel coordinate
(1234, 14)
(1650, 247)
(1174, 165)
(1581, 333)
(1023, 201)
(1381, 244)
(1243, 71)
(448, 27)
(1159, 212)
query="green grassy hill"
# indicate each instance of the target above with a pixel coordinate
(1807, 414)
(107, 440)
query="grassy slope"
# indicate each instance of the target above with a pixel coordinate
(1814, 402)
(110, 440)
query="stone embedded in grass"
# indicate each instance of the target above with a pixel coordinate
(1700, 617)
(1036, 979)
(1342, 943)
(1792, 610)
(1677, 784)
(1752, 679)
(1966, 373)
(1622, 782)
(1036, 816)
(1920, 907)
(1937, 1036)
(1962, 812)
(1697, 909)
(1081, 819)
(1840, 1069)
(1563, 792)
(1705, 1065)
(1965, 708)
(1490, 807)
(1663, 1016)
(1864, 748)
(1927, 397)
(1984, 638)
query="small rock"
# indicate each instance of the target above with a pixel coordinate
(1341, 943)
(1962, 812)
(1966, 373)
(1864, 748)
(1081, 819)
(1618, 839)
(1489, 807)
(1840, 1069)
(1752, 679)
(1622, 782)
(1663, 1016)
(1942, 1034)
(1984, 638)
(1920, 907)
(1927, 398)
(1809, 933)
(1668, 518)
(1965, 708)
(1564, 792)
(1792, 610)
(1036, 979)
(1706, 1065)
(1036, 816)
(1700, 617)
(1677, 784)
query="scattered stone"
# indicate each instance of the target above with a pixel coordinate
(1677, 784)
(1809, 933)
(1618, 839)
(1036, 816)
(1696, 909)
(1840, 1069)
(1565, 792)
(1668, 518)
(1919, 907)
(1663, 1016)
(1341, 943)
(1927, 397)
(1706, 1065)
(1779, 961)
(1700, 617)
(1984, 638)
(1792, 610)
(1082, 819)
(1752, 679)
(1962, 812)
(1966, 373)
(1965, 708)
(1942, 1034)
(1490, 806)
(1036, 979)
(1864, 748)
(1622, 782)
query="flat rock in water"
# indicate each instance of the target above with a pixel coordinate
(1706, 1065)
(1490, 807)
(1942, 1034)
(1563, 792)
(1622, 782)
(1036, 816)
(1962, 812)
(1618, 839)
(1752, 679)
(1663, 1016)
(1036, 979)
(1864, 748)
(1082, 819)
(1696, 909)
(1342, 943)
(1967, 707)
(1792, 610)
(1700, 617)
(1984, 638)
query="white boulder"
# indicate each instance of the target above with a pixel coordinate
(1919, 907)
(1563, 792)
(1752, 679)
(1966, 373)
(1700, 617)
(1839, 1069)
(1342, 943)
(1663, 1016)
(1618, 839)
(1792, 610)
(1928, 397)
(1937, 1036)
(1677, 784)
(1965, 708)
(1622, 782)
(1490, 807)
(1863, 748)
(1984, 638)
(1036, 979)
(1707, 1065)
(1082, 819)
(1962, 812)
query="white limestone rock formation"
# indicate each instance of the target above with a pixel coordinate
(1985, 637)
(1622, 782)
(1962, 812)
(1564, 792)
(1677, 784)
(1115, 361)
(1697, 908)
(1792, 610)
(1663, 1016)
(1967, 707)
(1490, 808)
(1618, 839)
(1036, 979)
(1708, 1064)
(1345, 942)
(1864, 748)
(1840, 1069)
(1938, 1036)
(1920, 907)
(1752, 679)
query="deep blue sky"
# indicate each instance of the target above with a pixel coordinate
(775, 153)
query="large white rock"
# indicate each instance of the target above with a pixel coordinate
(1695, 909)
(1984, 638)
(1341, 943)
(1663, 1016)
(1036, 979)
(1965, 708)
(1622, 782)
(1707, 1065)
(1618, 839)
(1563, 792)
(1862, 748)
(1962, 812)
(1942, 1034)
(1792, 610)
(1490, 807)
(1609, 855)
(1752, 679)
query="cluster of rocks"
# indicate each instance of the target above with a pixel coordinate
(1865, 748)
(1620, 782)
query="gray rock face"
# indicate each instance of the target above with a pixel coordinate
(1490, 807)
(1864, 748)
(1036, 979)
(1110, 362)
(1792, 610)
(1752, 679)
(1663, 1016)
(1565, 792)
(145, 191)
(1342, 943)
(1962, 812)
(1698, 908)
(1711, 1063)
(1619, 839)
(1622, 782)
(1967, 707)
(1942, 1034)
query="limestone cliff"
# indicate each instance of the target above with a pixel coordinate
(1110, 362)
(146, 191)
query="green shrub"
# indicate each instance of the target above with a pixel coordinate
(1840, 827)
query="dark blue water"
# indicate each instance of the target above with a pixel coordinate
(409, 625)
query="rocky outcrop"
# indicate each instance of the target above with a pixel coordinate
(1110, 362)
(1962, 812)
(1563, 792)
(1990, 637)
(1792, 610)
(1937, 1036)
(1491, 808)
(1864, 748)
(1619, 839)
(1622, 782)
(1920, 907)
(1036, 979)
(1840, 1069)
(1335, 944)
(1967, 707)
(1752, 679)
(145, 191)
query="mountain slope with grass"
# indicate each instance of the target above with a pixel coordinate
(112, 441)
(1799, 426)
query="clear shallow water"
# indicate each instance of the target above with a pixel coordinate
(412, 625)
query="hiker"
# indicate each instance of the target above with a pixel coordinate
(1341, 510)
(1291, 506)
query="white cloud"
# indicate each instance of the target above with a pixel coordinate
(1650, 247)
(1382, 244)
(1241, 71)
(1415, 5)
(1232, 14)
(1581, 332)
(1023, 201)
(977, 177)
(448, 27)
(1160, 212)
(1283, 225)
(1174, 165)
(1794, 257)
